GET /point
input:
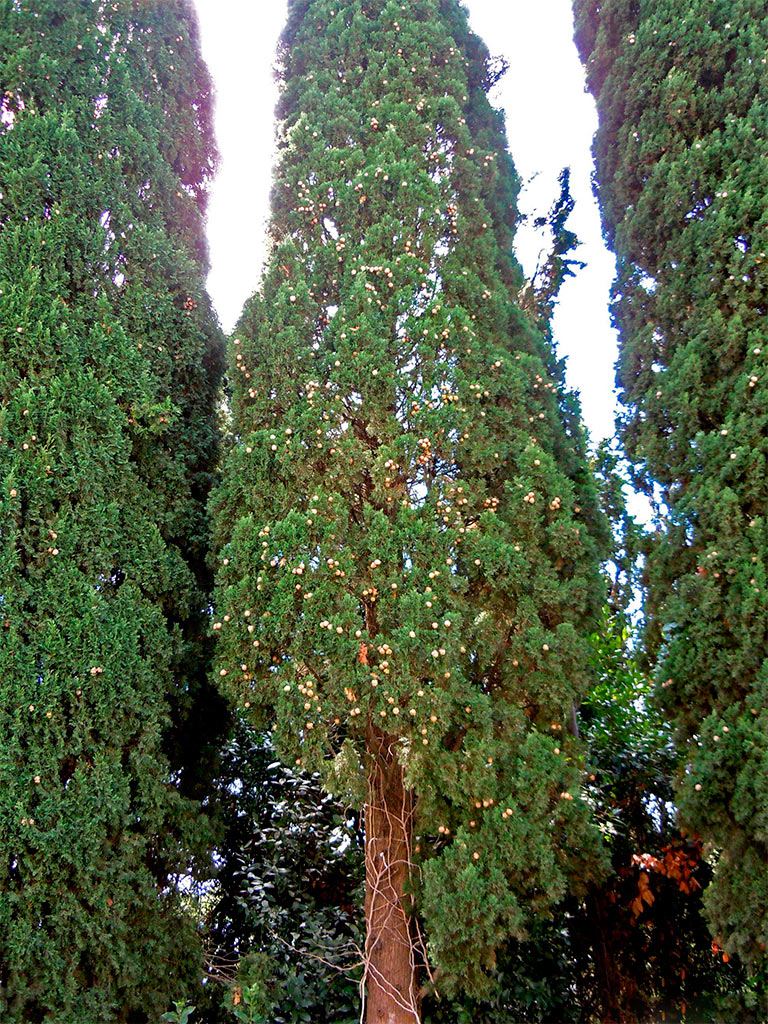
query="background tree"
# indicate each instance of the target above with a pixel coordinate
(107, 385)
(681, 166)
(406, 526)
(283, 918)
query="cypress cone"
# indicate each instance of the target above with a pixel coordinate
(682, 172)
(407, 534)
(108, 367)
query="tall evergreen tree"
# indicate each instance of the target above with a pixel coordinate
(682, 173)
(108, 371)
(406, 528)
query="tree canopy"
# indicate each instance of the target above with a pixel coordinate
(682, 171)
(108, 373)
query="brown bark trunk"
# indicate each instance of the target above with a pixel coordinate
(391, 981)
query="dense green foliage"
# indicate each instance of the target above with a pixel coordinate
(283, 918)
(107, 439)
(682, 174)
(634, 948)
(406, 527)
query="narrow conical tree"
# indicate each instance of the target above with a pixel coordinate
(682, 171)
(405, 527)
(107, 386)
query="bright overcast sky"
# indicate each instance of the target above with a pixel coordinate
(550, 122)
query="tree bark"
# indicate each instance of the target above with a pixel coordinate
(607, 975)
(391, 973)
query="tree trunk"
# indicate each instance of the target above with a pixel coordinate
(607, 975)
(391, 974)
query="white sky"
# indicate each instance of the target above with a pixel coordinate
(550, 122)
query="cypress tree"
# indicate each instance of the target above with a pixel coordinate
(682, 172)
(406, 529)
(107, 438)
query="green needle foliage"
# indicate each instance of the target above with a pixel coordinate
(682, 168)
(408, 562)
(107, 439)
